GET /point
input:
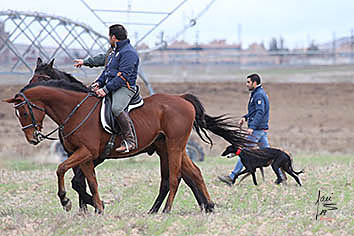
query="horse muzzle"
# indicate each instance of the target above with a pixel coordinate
(33, 141)
(37, 138)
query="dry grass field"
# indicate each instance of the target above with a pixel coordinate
(311, 117)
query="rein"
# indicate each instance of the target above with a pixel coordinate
(60, 127)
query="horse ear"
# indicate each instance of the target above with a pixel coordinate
(12, 100)
(39, 61)
(51, 63)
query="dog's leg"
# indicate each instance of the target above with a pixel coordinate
(288, 170)
(244, 177)
(254, 177)
(262, 172)
(241, 173)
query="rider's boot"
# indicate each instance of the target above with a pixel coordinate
(128, 137)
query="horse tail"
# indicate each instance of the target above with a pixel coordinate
(220, 125)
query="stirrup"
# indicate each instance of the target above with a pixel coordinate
(126, 147)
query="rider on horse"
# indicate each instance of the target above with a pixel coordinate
(119, 80)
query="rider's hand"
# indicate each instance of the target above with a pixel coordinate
(250, 131)
(95, 86)
(100, 93)
(78, 63)
(243, 120)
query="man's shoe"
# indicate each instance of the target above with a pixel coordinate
(226, 179)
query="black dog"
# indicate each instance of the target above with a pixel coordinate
(258, 158)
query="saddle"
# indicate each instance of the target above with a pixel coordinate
(108, 121)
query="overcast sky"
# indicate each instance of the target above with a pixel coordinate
(297, 21)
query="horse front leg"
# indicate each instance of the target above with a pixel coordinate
(79, 156)
(78, 183)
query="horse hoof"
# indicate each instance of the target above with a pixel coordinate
(83, 209)
(166, 210)
(67, 206)
(152, 211)
(209, 207)
(99, 211)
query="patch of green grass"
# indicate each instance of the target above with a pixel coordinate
(28, 165)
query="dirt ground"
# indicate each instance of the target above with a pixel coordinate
(304, 117)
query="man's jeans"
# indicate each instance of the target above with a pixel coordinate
(259, 136)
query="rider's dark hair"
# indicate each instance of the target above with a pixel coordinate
(119, 31)
(254, 77)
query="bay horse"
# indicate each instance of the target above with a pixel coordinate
(45, 72)
(163, 124)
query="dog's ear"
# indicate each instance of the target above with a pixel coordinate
(226, 151)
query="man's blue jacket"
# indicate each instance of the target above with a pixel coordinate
(121, 69)
(258, 110)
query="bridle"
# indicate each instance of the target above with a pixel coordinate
(30, 107)
(37, 133)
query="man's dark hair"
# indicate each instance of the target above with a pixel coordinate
(119, 31)
(255, 77)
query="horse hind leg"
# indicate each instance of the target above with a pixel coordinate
(164, 184)
(191, 174)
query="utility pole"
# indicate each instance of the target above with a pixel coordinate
(239, 35)
(352, 46)
(334, 48)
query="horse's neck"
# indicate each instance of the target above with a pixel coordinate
(59, 103)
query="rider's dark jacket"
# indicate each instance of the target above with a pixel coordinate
(121, 69)
(258, 110)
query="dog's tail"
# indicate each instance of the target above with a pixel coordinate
(291, 164)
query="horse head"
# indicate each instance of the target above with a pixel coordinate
(30, 115)
(44, 71)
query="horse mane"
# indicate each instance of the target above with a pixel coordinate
(58, 84)
(71, 78)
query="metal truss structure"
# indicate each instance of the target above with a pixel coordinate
(33, 33)
(150, 26)
(26, 35)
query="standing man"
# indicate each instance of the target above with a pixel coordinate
(257, 119)
(119, 80)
